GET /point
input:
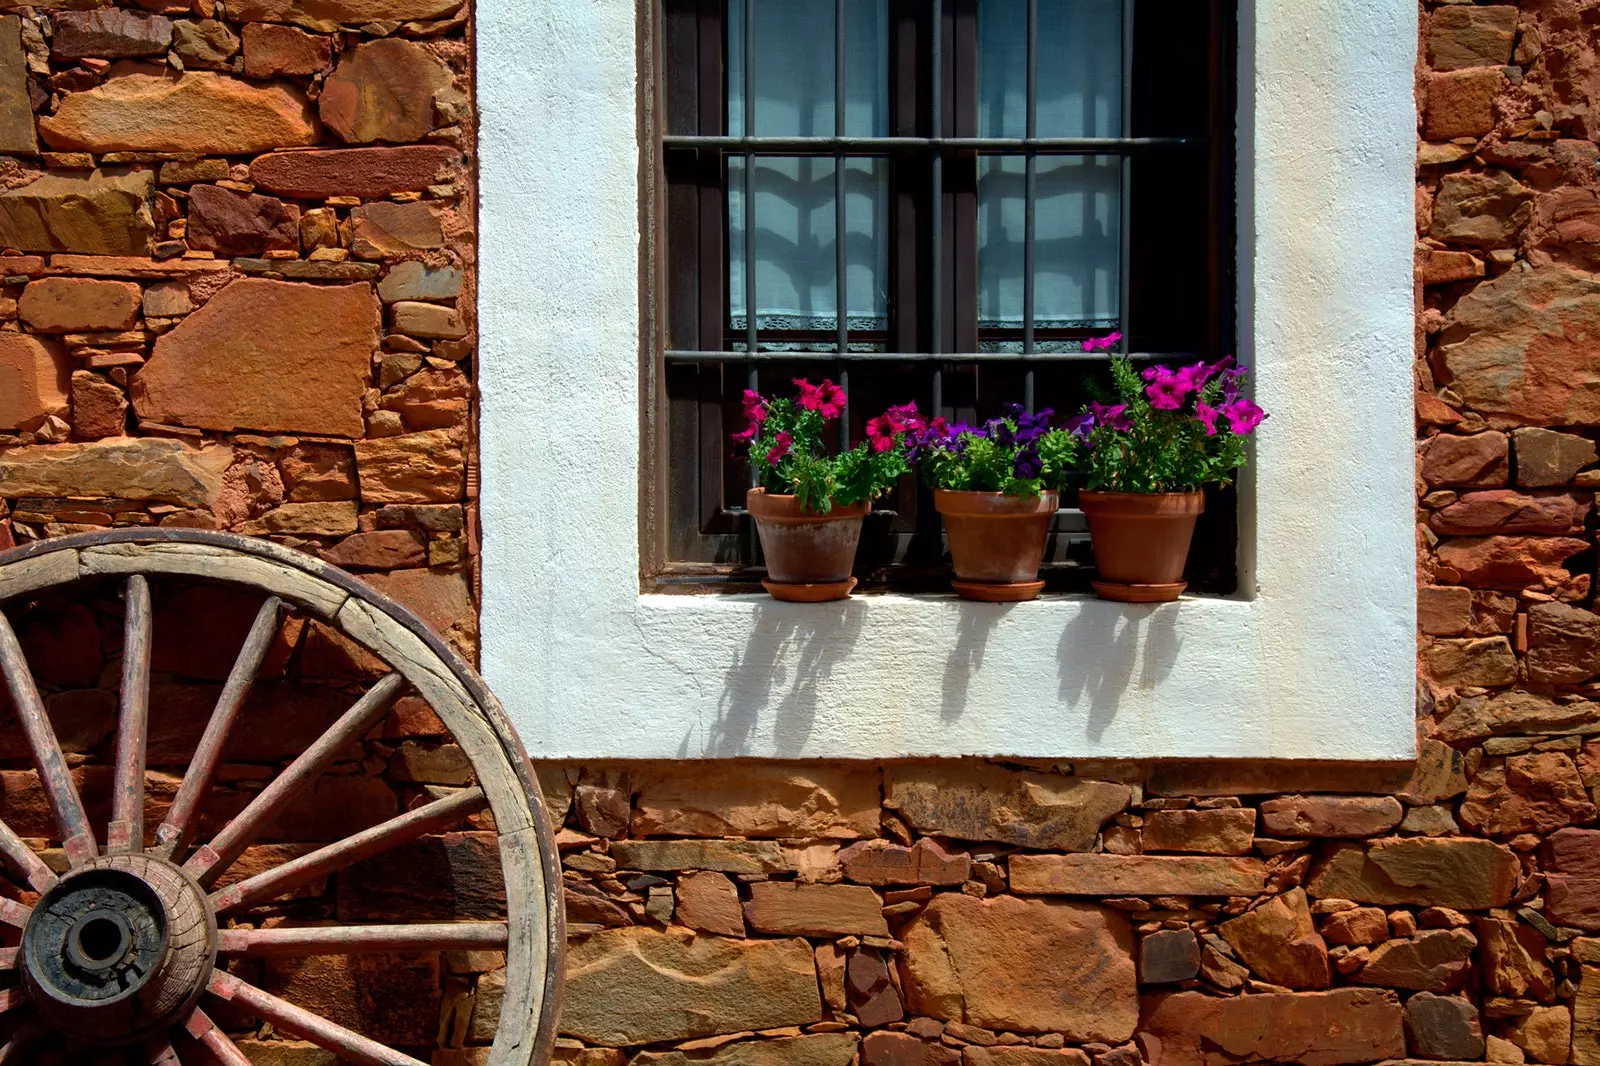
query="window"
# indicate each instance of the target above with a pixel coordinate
(979, 185)
(1313, 657)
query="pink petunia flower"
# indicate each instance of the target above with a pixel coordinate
(780, 448)
(1113, 416)
(1208, 415)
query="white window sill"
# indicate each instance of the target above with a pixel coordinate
(1316, 661)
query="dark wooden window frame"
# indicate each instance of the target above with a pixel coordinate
(1180, 226)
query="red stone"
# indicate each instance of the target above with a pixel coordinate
(1443, 611)
(220, 369)
(1512, 960)
(1509, 511)
(234, 223)
(271, 50)
(1279, 942)
(1348, 1025)
(384, 90)
(110, 33)
(1521, 345)
(1434, 961)
(1464, 36)
(1534, 793)
(1218, 831)
(1330, 816)
(77, 305)
(1512, 563)
(1573, 859)
(1446, 872)
(1563, 644)
(369, 173)
(446, 877)
(1478, 460)
(883, 1048)
(99, 408)
(35, 381)
(1359, 925)
(878, 862)
(1461, 103)
(383, 549)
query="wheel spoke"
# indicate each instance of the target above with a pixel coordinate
(8, 958)
(19, 1050)
(25, 861)
(330, 1036)
(209, 861)
(76, 836)
(351, 849)
(175, 828)
(125, 834)
(11, 999)
(352, 939)
(13, 913)
(215, 1040)
(159, 1052)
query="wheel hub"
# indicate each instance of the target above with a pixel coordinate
(118, 949)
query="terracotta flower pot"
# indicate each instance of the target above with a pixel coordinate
(1141, 541)
(996, 542)
(809, 556)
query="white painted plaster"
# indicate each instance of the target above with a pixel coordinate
(1316, 659)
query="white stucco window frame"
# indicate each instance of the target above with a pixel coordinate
(1315, 656)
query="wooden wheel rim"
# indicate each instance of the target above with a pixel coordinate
(530, 865)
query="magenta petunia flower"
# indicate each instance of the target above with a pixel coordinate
(1207, 415)
(880, 432)
(1243, 416)
(1112, 416)
(1103, 344)
(780, 448)
(1168, 390)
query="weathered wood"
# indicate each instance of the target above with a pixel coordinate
(13, 913)
(218, 564)
(22, 1049)
(76, 836)
(125, 834)
(215, 1040)
(25, 861)
(174, 828)
(161, 1053)
(351, 939)
(209, 861)
(352, 849)
(533, 933)
(40, 572)
(296, 1021)
(11, 999)
(8, 958)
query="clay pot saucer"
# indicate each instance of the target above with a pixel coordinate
(809, 591)
(997, 592)
(1125, 592)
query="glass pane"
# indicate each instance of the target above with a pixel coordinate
(793, 244)
(1080, 68)
(1077, 240)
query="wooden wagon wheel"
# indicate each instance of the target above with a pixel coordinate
(134, 942)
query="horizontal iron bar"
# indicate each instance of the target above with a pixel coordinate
(676, 355)
(888, 145)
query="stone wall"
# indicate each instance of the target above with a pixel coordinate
(238, 296)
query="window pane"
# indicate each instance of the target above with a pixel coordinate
(1080, 68)
(1077, 240)
(793, 245)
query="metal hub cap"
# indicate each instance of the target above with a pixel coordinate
(118, 949)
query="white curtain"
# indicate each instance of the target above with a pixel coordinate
(793, 245)
(1077, 216)
(1077, 224)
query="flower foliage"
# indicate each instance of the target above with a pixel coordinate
(1019, 454)
(1169, 430)
(784, 438)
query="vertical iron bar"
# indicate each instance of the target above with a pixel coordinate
(1029, 195)
(936, 342)
(1125, 245)
(841, 297)
(753, 371)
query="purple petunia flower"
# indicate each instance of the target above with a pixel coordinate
(1113, 417)
(1081, 426)
(1027, 465)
